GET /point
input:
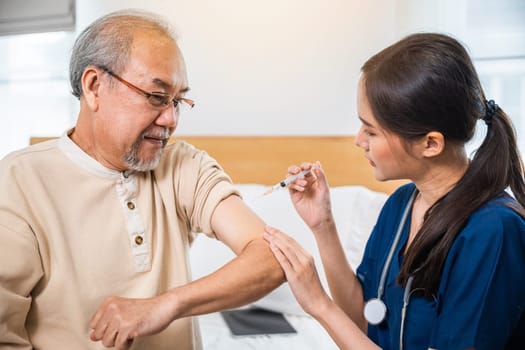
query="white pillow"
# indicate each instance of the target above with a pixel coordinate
(355, 211)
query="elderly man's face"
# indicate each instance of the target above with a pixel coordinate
(131, 131)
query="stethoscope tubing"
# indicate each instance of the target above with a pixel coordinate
(375, 309)
(397, 237)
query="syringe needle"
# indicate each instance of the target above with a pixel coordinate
(287, 181)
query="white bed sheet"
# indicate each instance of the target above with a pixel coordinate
(310, 335)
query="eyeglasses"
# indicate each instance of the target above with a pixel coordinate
(156, 99)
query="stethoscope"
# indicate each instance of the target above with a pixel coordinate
(375, 309)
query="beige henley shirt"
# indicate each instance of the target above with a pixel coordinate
(73, 232)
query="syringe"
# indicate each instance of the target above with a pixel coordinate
(287, 181)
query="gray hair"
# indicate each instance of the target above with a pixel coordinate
(107, 41)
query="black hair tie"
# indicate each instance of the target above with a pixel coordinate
(490, 109)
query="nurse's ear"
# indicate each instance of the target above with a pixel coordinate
(432, 144)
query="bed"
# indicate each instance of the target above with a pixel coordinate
(255, 163)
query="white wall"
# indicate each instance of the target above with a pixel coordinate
(255, 68)
(270, 67)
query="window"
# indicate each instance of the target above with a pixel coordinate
(495, 29)
(495, 33)
(503, 81)
(34, 88)
(33, 16)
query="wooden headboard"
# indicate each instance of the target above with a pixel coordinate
(265, 159)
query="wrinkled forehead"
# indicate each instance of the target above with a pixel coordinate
(156, 56)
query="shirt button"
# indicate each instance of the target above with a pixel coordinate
(139, 240)
(131, 205)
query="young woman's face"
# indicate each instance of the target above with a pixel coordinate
(384, 150)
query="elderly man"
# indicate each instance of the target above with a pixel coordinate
(95, 226)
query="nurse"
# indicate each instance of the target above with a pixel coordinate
(444, 267)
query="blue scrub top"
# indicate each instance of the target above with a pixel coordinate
(480, 302)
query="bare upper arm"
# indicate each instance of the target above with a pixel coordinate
(235, 224)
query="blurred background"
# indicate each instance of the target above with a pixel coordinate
(273, 67)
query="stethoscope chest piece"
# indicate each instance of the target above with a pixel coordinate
(375, 311)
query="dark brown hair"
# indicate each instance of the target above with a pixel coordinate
(427, 82)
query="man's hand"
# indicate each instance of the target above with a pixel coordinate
(119, 320)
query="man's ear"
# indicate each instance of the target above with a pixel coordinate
(433, 144)
(90, 86)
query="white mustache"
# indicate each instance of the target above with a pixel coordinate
(161, 134)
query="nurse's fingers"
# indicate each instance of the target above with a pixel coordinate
(286, 245)
(282, 260)
(123, 342)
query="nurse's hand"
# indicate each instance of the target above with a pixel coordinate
(119, 320)
(300, 271)
(311, 195)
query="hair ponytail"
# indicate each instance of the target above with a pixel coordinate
(500, 149)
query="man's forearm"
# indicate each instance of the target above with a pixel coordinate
(248, 277)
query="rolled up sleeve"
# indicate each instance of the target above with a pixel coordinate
(200, 185)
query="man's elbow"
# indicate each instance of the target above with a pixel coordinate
(272, 273)
(276, 275)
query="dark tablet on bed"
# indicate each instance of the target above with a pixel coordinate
(256, 321)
